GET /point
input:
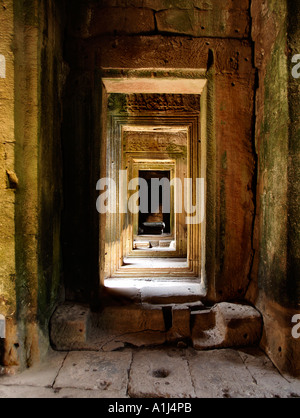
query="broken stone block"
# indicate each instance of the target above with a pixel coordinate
(226, 325)
(242, 324)
(69, 326)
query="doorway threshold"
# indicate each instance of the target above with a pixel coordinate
(156, 290)
(157, 269)
(155, 263)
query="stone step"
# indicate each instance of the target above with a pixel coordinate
(75, 327)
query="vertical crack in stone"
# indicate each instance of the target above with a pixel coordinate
(254, 153)
(246, 367)
(189, 369)
(57, 374)
(128, 374)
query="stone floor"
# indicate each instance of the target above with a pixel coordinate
(166, 372)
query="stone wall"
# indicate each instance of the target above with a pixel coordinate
(275, 277)
(30, 176)
(8, 179)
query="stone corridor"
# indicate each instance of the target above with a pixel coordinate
(97, 98)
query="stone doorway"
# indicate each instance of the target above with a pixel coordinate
(151, 130)
(155, 220)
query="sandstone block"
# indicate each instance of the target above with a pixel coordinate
(226, 325)
(180, 322)
(69, 326)
(105, 372)
(242, 324)
(203, 320)
(130, 319)
(7, 121)
(178, 4)
(196, 22)
(121, 21)
(7, 83)
(219, 373)
(159, 374)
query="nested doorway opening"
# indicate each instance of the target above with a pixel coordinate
(154, 218)
(151, 142)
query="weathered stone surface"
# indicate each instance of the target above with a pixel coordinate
(275, 276)
(242, 323)
(70, 326)
(112, 346)
(219, 373)
(226, 325)
(27, 392)
(277, 339)
(159, 374)
(144, 338)
(266, 376)
(130, 319)
(180, 322)
(177, 4)
(203, 320)
(88, 394)
(30, 392)
(11, 345)
(195, 22)
(120, 21)
(40, 375)
(74, 327)
(107, 372)
(7, 242)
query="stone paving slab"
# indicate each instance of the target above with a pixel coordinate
(267, 377)
(42, 375)
(238, 374)
(29, 392)
(107, 372)
(160, 374)
(220, 374)
(26, 392)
